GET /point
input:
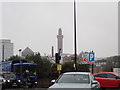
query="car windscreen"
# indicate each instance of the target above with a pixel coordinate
(20, 69)
(9, 76)
(1, 76)
(74, 78)
(118, 74)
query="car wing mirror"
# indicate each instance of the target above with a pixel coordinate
(94, 82)
(117, 77)
(53, 81)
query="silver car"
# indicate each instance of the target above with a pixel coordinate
(79, 80)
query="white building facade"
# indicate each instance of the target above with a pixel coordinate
(0, 56)
(6, 49)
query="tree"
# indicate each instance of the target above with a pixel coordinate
(69, 67)
(83, 67)
(53, 72)
(43, 65)
(16, 57)
(112, 62)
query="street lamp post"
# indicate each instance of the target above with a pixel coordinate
(20, 52)
(75, 45)
(20, 62)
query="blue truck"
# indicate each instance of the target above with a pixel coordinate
(19, 67)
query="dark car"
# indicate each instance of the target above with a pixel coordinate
(1, 81)
(10, 80)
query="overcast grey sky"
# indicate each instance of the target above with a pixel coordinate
(36, 24)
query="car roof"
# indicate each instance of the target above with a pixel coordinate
(5, 72)
(77, 73)
(104, 73)
(25, 64)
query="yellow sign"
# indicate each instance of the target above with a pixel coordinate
(59, 67)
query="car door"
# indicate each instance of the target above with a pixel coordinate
(107, 80)
(102, 79)
(112, 81)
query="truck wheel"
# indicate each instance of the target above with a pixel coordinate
(30, 86)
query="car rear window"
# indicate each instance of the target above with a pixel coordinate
(100, 76)
(74, 78)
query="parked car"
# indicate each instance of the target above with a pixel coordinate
(10, 80)
(1, 81)
(75, 80)
(108, 79)
(0, 85)
(1, 78)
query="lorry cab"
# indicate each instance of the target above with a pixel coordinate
(31, 78)
(10, 80)
(18, 68)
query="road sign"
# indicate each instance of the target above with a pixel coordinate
(59, 67)
(87, 57)
(91, 56)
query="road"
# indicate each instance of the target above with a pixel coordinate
(25, 89)
(53, 89)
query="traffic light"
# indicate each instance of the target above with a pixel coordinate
(57, 58)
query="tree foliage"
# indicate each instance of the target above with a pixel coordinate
(16, 57)
(43, 65)
(112, 62)
(45, 69)
(69, 67)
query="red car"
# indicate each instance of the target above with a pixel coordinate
(108, 79)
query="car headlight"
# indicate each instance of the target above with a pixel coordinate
(8, 80)
(4, 80)
(19, 80)
(35, 82)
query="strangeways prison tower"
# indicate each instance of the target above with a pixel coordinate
(60, 41)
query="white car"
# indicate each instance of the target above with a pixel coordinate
(79, 80)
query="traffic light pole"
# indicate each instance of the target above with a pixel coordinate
(59, 72)
(59, 61)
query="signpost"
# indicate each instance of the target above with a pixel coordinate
(87, 58)
(59, 68)
(91, 57)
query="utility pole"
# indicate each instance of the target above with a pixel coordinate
(75, 45)
(20, 62)
(3, 48)
(52, 51)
